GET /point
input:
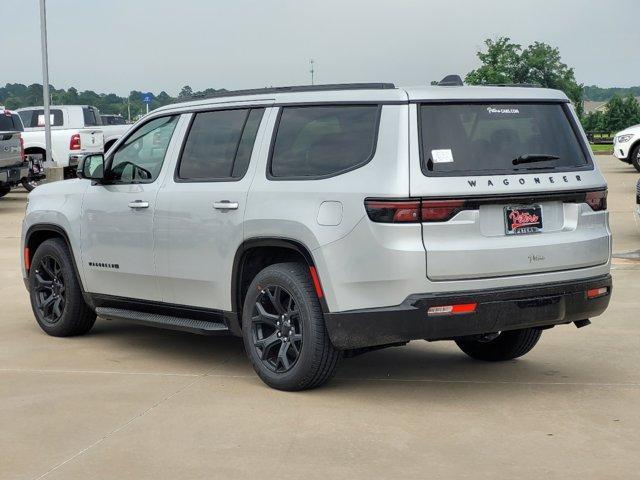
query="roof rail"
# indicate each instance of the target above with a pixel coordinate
(451, 81)
(300, 88)
(521, 85)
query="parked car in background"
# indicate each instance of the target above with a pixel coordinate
(75, 132)
(113, 127)
(328, 220)
(13, 167)
(626, 146)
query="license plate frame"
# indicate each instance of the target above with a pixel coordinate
(523, 219)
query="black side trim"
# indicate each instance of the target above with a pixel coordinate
(49, 227)
(190, 325)
(229, 319)
(238, 263)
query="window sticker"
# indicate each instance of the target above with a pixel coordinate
(442, 156)
(41, 119)
(503, 111)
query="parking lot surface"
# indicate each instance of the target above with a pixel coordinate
(135, 402)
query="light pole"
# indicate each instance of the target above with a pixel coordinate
(45, 83)
(312, 71)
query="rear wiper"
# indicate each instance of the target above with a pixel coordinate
(534, 157)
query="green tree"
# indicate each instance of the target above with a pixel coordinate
(621, 113)
(185, 94)
(505, 62)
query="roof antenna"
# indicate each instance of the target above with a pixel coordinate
(451, 81)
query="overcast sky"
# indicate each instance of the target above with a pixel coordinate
(122, 45)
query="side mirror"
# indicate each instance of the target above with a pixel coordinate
(91, 167)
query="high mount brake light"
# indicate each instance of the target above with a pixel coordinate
(597, 200)
(412, 211)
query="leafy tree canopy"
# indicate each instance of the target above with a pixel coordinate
(505, 62)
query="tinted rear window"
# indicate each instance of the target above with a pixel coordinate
(219, 144)
(479, 139)
(10, 123)
(90, 117)
(35, 118)
(323, 140)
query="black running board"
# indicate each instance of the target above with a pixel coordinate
(201, 327)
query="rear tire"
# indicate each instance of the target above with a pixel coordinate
(635, 157)
(284, 331)
(506, 346)
(4, 191)
(56, 296)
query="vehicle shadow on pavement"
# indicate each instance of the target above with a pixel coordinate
(436, 365)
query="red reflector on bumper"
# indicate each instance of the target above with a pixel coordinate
(597, 292)
(27, 259)
(452, 309)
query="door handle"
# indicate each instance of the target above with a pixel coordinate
(225, 205)
(138, 204)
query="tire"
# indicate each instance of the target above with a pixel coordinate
(635, 157)
(309, 359)
(52, 266)
(506, 346)
(4, 191)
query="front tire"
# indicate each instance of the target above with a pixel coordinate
(56, 296)
(635, 157)
(29, 185)
(506, 346)
(284, 331)
(4, 191)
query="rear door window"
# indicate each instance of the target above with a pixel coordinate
(91, 119)
(482, 139)
(321, 141)
(219, 145)
(35, 118)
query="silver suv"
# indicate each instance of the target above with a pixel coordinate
(320, 222)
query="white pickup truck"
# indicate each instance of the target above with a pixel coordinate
(76, 131)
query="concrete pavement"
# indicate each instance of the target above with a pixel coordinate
(140, 403)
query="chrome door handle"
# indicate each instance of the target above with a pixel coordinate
(225, 205)
(138, 204)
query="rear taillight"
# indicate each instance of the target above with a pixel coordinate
(412, 211)
(393, 211)
(74, 143)
(597, 200)
(22, 155)
(440, 210)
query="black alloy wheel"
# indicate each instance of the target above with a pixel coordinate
(276, 329)
(50, 292)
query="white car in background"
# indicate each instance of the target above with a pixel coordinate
(75, 133)
(626, 146)
(113, 127)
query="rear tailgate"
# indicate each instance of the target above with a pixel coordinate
(486, 217)
(91, 140)
(10, 150)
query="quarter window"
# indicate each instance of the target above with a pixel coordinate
(321, 141)
(139, 159)
(219, 144)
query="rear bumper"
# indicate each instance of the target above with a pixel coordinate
(13, 175)
(497, 310)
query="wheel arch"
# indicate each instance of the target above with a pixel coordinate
(38, 233)
(268, 250)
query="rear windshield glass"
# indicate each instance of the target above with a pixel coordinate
(486, 139)
(10, 122)
(90, 117)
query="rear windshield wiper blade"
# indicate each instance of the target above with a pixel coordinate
(534, 157)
